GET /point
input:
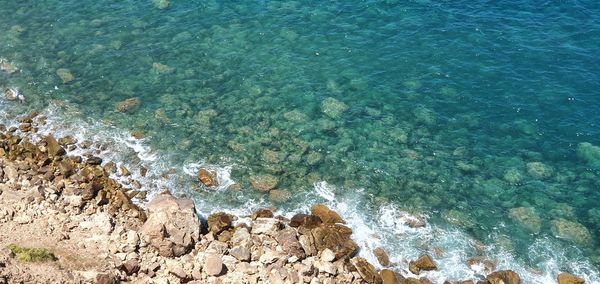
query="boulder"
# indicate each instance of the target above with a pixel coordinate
(131, 266)
(219, 222)
(527, 217)
(288, 240)
(172, 226)
(567, 278)
(382, 256)
(54, 149)
(333, 108)
(366, 270)
(65, 75)
(389, 276)
(589, 153)
(268, 226)
(336, 238)
(128, 105)
(572, 231)
(422, 263)
(504, 277)
(213, 265)
(327, 215)
(306, 221)
(240, 253)
(262, 213)
(208, 178)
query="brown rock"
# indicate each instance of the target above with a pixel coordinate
(264, 183)
(240, 253)
(336, 238)
(218, 222)
(131, 266)
(262, 213)
(366, 270)
(105, 278)
(208, 178)
(54, 149)
(305, 220)
(389, 277)
(504, 277)
(567, 278)
(382, 256)
(288, 240)
(488, 265)
(422, 263)
(93, 161)
(279, 196)
(327, 215)
(65, 75)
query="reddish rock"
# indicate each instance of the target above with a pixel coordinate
(504, 277)
(131, 266)
(208, 178)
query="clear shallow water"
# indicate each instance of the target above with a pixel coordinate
(468, 113)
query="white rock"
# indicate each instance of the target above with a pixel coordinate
(327, 255)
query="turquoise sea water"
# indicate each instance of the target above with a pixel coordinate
(481, 115)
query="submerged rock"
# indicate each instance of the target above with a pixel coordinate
(65, 75)
(160, 68)
(13, 94)
(128, 105)
(589, 153)
(539, 170)
(527, 217)
(161, 4)
(333, 108)
(7, 67)
(264, 183)
(571, 231)
(172, 227)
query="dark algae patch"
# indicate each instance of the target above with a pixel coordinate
(31, 254)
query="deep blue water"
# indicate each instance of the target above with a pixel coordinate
(482, 115)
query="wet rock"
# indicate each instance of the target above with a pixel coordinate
(7, 67)
(219, 222)
(213, 265)
(327, 215)
(110, 167)
(422, 263)
(333, 108)
(572, 231)
(382, 256)
(336, 238)
(12, 94)
(264, 183)
(487, 265)
(298, 220)
(67, 140)
(567, 278)
(366, 270)
(504, 277)
(389, 276)
(208, 178)
(54, 149)
(262, 213)
(172, 227)
(128, 105)
(527, 217)
(93, 161)
(65, 75)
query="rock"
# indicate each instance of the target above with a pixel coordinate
(7, 67)
(128, 105)
(264, 183)
(131, 266)
(54, 149)
(12, 94)
(268, 226)
(572, 231)
(262, 213)
(366, 270)
(487, 265)
(389, 276)
(327, 255)
(269, 257)
(93, 161)
(161, 4)
(504, 277)
(240, 253)
(279, 196)
(305, 220)
(172, 227)
(219, 222)
(539, 170)
(382, 256)
(67, 140)
(326, 215)
(65, 75)
(589, 153)
(567, 278)
(288, 240)
(105, 278)
(336, 238)
(326, 267)
(208, 178)
(527, 217)
(422, 263)
(333, 108)
(241, 236)
(213, 265)
(159, 68)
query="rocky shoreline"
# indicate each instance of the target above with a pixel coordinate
(84, 228)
